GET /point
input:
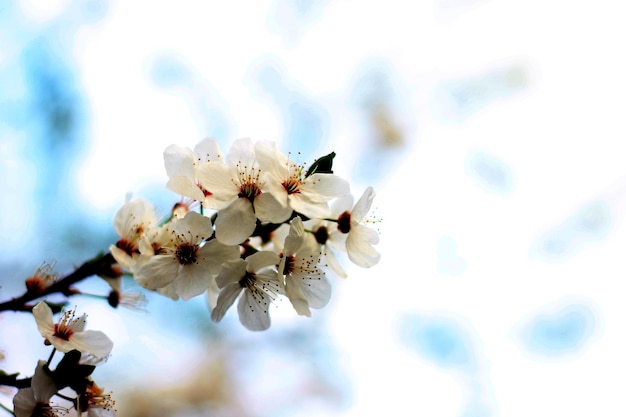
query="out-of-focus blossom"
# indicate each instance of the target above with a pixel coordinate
(34, 401)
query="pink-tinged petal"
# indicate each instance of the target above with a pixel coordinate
(231, 272)
(225, 299)
(270, 209)
(261, 260)
(324, 187)
(235, 223)
(359, 245)
(253, 310)
(214, 253)
(178, 161)
(362, 207)
(185, 186)
(157, 272)
(218, 179)
(44, 319)
(92, 341)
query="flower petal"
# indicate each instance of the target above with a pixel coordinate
(24, 402)
(324, 187)
(269, 209)
(192, 280)
(235, 223)
(362, 207)
(92, 341)
(43, 384)
(359, 245)
(225, 299)
(43, 317)
(253, 308)
(157, 272)
(185, 186)
(261, 260)
(178, 161)
(231, 272)
(214, 254)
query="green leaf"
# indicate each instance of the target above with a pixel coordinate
(323, 165)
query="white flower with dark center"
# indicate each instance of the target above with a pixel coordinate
(359, 237)
(306, 285)
(306, 195)
(181, 164)
(34, 401)
(184, 263)
(131, 222)
(257, 278)
(68, 333)
(239, 194)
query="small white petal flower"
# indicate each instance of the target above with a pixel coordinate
(360, 237)
(132, 221)
(306, 284)
(68, 333)
(184, 265)
(306, 195)
(258, 280)
(239, 194)
(181, 164)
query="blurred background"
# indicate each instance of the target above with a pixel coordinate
(492, 131)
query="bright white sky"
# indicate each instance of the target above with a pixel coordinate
(561, 138)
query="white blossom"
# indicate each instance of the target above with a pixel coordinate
(239, 193)
(360, 238)
(288, 182)
(257, 278)
(131, 222)
(184, 263)
(69, 334)
(306, 284)
(181, 165)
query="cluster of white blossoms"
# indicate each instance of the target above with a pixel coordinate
(252, 225)
(83, 349)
